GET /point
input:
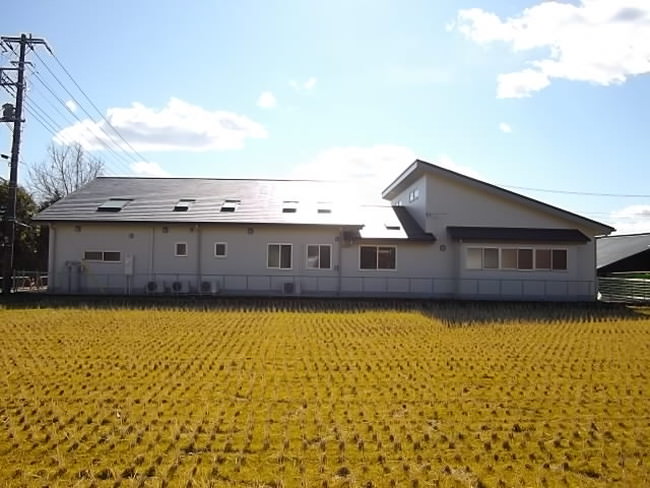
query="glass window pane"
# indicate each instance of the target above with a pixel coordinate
(285, 256)
(312, 257)
(368, 257)
(559, 259)
(491, 258)
(386, 258)
(525, 259)
(181, 249)
(474, 258)
(509, 258)
(325, 257)
(543, 259)
(112, 256)
(273, 259)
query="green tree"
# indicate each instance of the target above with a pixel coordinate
(30, 249)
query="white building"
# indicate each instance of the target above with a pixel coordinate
(439, 235)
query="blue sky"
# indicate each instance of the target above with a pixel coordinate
(529, 95)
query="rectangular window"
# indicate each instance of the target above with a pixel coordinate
(114, 204)
(319, 256)
(220, 249)
(377, 257)
(180, 249)
(112, 256)
(103, 256)
(414, 195)
(279, 256)
(93, 256)
(525, 259)
(559, 259)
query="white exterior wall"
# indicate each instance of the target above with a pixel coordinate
(152, 249)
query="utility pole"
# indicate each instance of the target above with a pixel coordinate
(11, 114)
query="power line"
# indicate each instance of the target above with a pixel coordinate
(582, 193)
(103, 142)
(54, 127)
(106, 121)
(121, 156)
(142, 158)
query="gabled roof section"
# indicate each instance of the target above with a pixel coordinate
(420, 168)
(203, 200)
(615, 248)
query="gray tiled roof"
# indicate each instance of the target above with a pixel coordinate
(614, 248)
(260, 202)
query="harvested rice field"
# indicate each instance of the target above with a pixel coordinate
(261, 398)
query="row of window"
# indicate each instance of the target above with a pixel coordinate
(280, 256)
(516, 258)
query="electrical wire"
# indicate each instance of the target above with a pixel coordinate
(121, 156)
(54, 128)
(581, 193)
(125, 155)
(133, 153)
(142, 158)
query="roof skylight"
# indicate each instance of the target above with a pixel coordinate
(290, 206)
(230, 205)
(184, 204)
(114, 204)
(324, 207)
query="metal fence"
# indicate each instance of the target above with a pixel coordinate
(323, 285)
(620, 289)
(28, 281)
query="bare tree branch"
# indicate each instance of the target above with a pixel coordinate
(67, 169)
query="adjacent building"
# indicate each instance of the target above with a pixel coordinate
(437, 234)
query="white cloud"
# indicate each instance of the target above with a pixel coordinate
(267, 100)
(145, 168)
(303, 86)
(72, 105)
(372, 168)
(505, 128)
(521, 83)
(632, 219)
(598, 41)
(177, 126)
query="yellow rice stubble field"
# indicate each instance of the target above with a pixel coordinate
(324, 398)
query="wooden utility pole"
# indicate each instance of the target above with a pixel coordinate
(13, 115)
